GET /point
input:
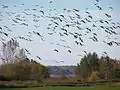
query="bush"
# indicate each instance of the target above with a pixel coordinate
(93, 77)
(23, 70)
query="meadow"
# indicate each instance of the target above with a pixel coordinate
(69, 88)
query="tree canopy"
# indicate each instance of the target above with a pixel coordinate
(93, 68)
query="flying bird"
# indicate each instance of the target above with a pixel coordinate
(62, 16)
(87, 12)
(94, 39)
(25, 24)
(110, 43)
(109, 16)
(83, 21)
(5, 6)
(42, 12)
(15, 21)
(1, 28)
(111, 8)
(27, 51)
(85, 52)
(62, 61)
(100, 8)
(90, 16)
(50, 1)
(80, 39)
(5, 34)
(56, 50)
(77, 42)
(76, 10)
(69, 51)
(38, 57)
(97, 0)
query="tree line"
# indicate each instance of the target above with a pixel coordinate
(92, 68)
(23, 70)
(16, 66)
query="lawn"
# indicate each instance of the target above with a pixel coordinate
(69, 88)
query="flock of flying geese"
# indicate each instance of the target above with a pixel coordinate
(61, 25)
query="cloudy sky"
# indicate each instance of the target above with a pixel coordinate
(45, 49)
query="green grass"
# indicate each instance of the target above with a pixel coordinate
(69, 88)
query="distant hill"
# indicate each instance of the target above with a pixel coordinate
(55, 71)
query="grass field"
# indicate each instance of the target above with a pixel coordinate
(69, 88)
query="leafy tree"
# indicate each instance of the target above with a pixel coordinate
(102, 68)
(24, 70)
(93, 77)
(117, 73)
(92, 68)
(84, 68)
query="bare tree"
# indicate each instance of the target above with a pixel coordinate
(11, 52)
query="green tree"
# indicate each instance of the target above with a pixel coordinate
(92, 60)
(24, 70)
(84, 69)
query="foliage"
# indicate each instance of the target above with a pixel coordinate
(24, 70)
(62, 76)
(92, 68)
(93, 77)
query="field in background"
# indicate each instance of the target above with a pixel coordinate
(69, 88)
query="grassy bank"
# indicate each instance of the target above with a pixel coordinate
(69, 88)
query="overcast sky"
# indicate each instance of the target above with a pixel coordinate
(45, 49)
